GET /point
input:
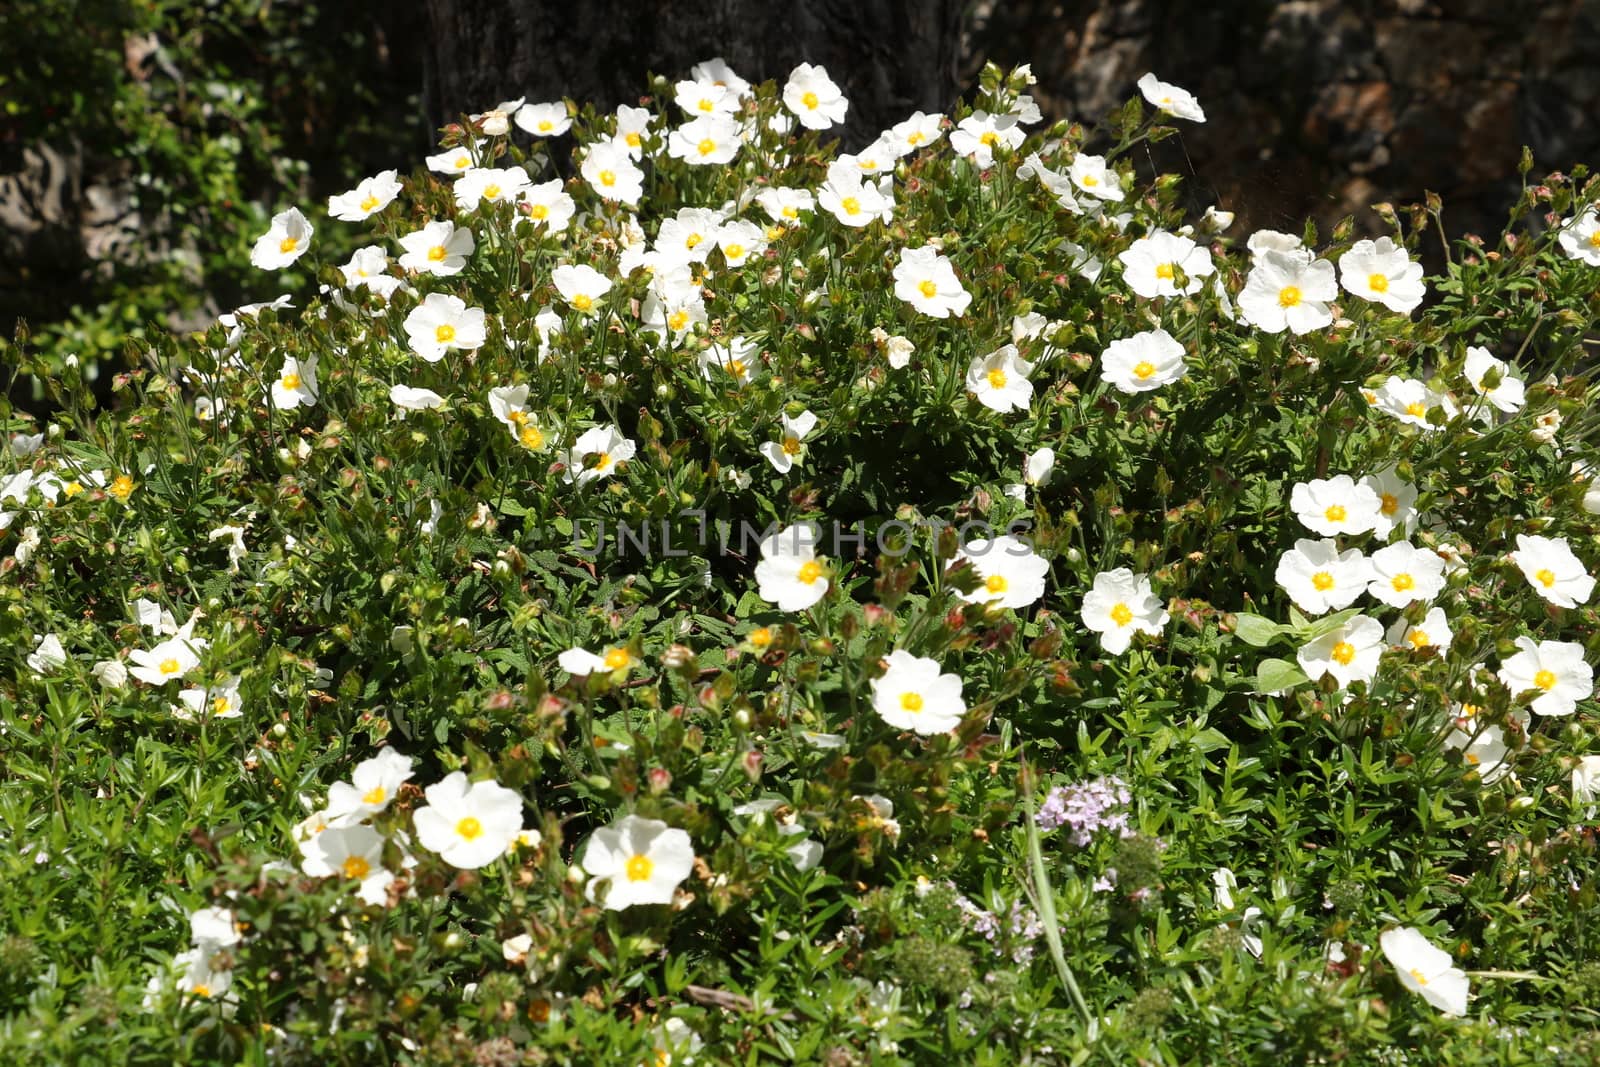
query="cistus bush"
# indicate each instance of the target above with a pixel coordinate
(680, 593)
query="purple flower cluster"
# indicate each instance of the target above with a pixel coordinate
(1021, 929)
(1087, 807)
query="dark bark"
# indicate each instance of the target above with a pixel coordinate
(890, 58)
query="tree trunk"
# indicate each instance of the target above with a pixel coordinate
(889, 58)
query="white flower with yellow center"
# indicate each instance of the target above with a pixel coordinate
(790, 447)
(596, 454)
(455, 161)
(285, 241)
(1432, 632)
(296, 383)
(1586, 781)
(732, 365)
(410, 398)
(1349, 653)
(813, 97)
(1319, 578)
(469, 826)
(167, 661)
(784, 206)
(1555, 671)
(1425, 969)
(581, 662)
(1337, 505)
(497, 185)
(925, 279)
(1152, 265)
(368, 198)
(48, 655)
(716, 71)
(546, 206)
(1580, 238)
(1554, 572)
(1120, 605)
(1093, 176)
(1000, 380)
(581, 286)
(1402, 573)
(1170, 99)
(220, 701)
(1382, 272)
(1410, 401)
(789, 573)
(1288, 290)
(1010, 573)
(674, 305)
(496, 122)
(855, 201)
(353, 853)
(914, 695)
(368, 268)
(1483, 751)
(442, 323)
(980, 133)
(638, 860)
(438, 249)
(633, 126)
(509, 404)
(198, 976)
(705, 97)
(544, 120)
(1492, 379)
(371, 789)
(711, 140)
(918, 131)
(740, 242)
(690, 235)
(1057, 184)
(1143, 362)
(1397, 501)
(611, 173)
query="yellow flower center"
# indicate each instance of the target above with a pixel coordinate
(288, 244)
(810, 101)
(122, 488)
(790, 212)
(632, 139)
(737, 368)
(1389, 504)
(1289, 296)
(989, 137)
(1416, 409)
(997, 378)
(734, 251)
(1418, 975)
(1335, 513)
(1594, 239)
(678, 319)
(706, 105)
(517, 417)
(760, 637)
(852, 206)
(369, 203)
(220, 705)
(608, 178)
(1143, 369)
(1164, 270)
(617, 658)
(356, 867)
(1402, 583)
(774, 232)
(491, 192)
(290, 382)
(583, 301)
(170, 666)
(706, 147)
(1545, 578)
(200, 989)
(1322, 581)
(72, 488)
(1121, 614)
(603, 462)
(809, 572)
(1545, 680)
(463, 161)
(928, 288)
(692, 240)
(1343, 653)
(915, 139)
(791, 446)
(469, 829)
(995, 583)
(545, 125)
(376, 795)
(1378, 283)
(639, 868)
(444, 334)
(1090, 180)
(1419, 639)
(531, 437)
(911, 701)
(436, 254)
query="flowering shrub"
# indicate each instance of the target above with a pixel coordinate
(738, 601)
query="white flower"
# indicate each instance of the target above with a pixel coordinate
(496, 122)
(1396, 501)
(1143, 362)
(213, 928)
(789, 573)
(1012, 574)
(219, 701)
(1425, 969)
(1091, 174)
(1555, 669)
(738, 361)
(371, 789)
(110, 673)
(198, 976)
(368, 198)
(1508, 393)
(897, 348)
(410, 398)
(1319, 578)
(1350, 653)
(1000, 380)
(1586, 780)
(547, 204)
(1484, 750)
(452, 162)
(1120, 605)
(498, 185)
(642, 861)
(1382, 272)
(1403, 573)
(918, 131)
(1410, 400)
(441, 323)
(438, 249)
(1554, 572)
(1151, 264)
(1057, 184)
(785, 206)
(855, 201)
(1171, 99)
(813, 97)
(355, 852)
(980, 133)
(544, 120)
(1432, 632)
(610, 172)
(1038, 467)
(740, 242)
(285, 241)
(701, 96)
(468, 826)
(925, 279)
(711, 140)
(580, 662)
(368, 268)
(296, 383)
(1580, 238)
(48, 656)
(596, 454)
(1337, 505)
(790, 449)
(581, 286)
(1545, 425)
(1263, 241)
(1288, 291)
(913, 695)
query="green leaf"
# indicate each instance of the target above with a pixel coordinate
(1256, 631)
(1273, 675)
